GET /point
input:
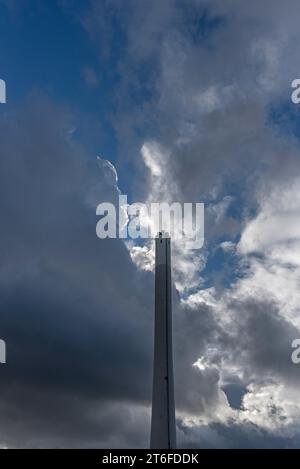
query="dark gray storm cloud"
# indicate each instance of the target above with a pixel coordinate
(75, 314)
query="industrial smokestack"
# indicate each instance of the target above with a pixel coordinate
(163, 428)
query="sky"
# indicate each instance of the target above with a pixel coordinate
(162, 100)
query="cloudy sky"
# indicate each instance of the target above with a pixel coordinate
(162, 100)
